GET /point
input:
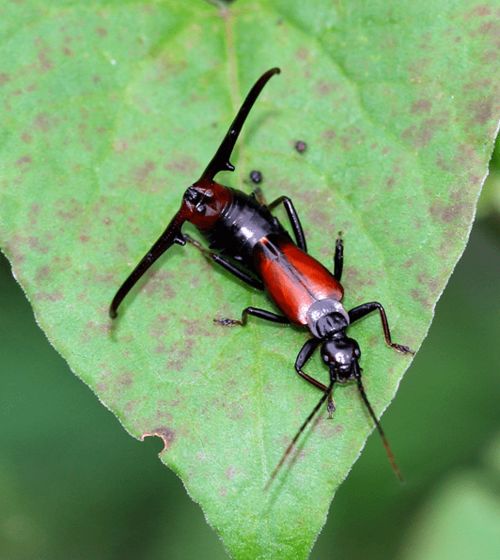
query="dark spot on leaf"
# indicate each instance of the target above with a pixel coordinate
(120, 145)
(479, 11)
(302, 53)
(358, 279)
(166, 434)
(35, 244)
(142, 173)
(42, 122)
(230, 472)
(160, 283)
(329, 134)
(68, 209)
(324, 88)
(418, 296)
(482, 110)
(42, 274)
(101, 31)
(184, 165)
(409, 263)
(457, 209)
(125, 379)
(422, 134)
(300, 146)
(23, 161)
(50, 296)
(421, 106)
(256, 176)
(26, 138)
(4, 78)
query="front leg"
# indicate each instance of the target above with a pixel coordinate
(256, 312)
(364, 309)
(305, 353)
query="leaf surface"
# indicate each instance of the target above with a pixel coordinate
(111, 109)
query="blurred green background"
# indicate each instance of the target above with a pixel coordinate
(74, 485)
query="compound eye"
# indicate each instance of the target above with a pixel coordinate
(192, 195)
(357, 352)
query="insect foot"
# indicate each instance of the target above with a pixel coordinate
(402, 349)
(225, 322)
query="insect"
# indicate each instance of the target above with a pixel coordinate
(250, 243)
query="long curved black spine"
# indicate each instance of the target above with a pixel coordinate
(171, 235)
(220, 161)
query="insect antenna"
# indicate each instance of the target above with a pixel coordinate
(299, 432)
(220, 161)
(170, 236)
(387, 447)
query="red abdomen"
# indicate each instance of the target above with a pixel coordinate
(293, 279)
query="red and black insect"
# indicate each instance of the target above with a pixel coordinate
(248, 241)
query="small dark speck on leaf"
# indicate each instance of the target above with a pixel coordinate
(255, 176)
(300, 146)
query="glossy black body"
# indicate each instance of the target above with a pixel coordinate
(240, 227)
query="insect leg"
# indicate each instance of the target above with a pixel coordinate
(364, 309)
(229, 266)
(294, 219)
(256, 312)
(338, 259)
(303, 356)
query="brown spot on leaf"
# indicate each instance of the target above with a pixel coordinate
(420, 135)
(101, 31)
(302, 53)
(481, 10)
(68, 210)
(230, 472)
(120, 145)
(125, 379)
(421, 106)
(457, 209)
(184, 165)
(482, 110)
(160, 283)
(329, 134)
(43, 59)
(50, 296)
(26, 138)
(163, 432)
(4, 78)
(24, 161)
(143, 172)
(418, 296)
(42, 274)
(42, 122)
(324, 88)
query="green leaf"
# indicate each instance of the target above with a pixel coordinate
(111, 109)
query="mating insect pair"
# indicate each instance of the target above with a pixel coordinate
(250, 243)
